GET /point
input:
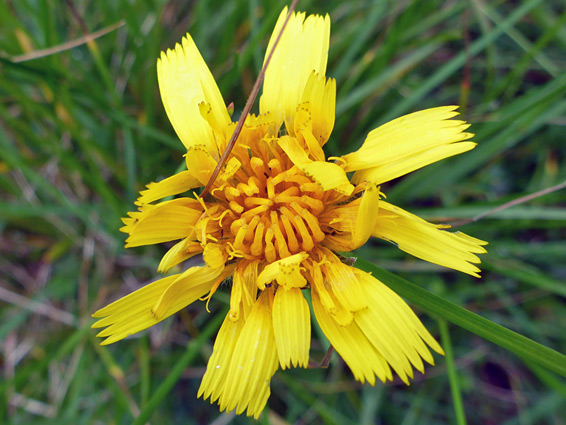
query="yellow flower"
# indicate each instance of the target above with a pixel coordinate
(275, 219)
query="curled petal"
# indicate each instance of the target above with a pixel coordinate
(428, 241)
(407, 144)
(136, 311)
(287, 272)
(320, 93)
(181, 251)
(163, 222)
(302, 48)
(173, 185)
(344, 283)
(327, 174)
(185, 82)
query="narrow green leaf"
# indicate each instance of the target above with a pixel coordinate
(525, 273)
(517, 37)
(166, 386)
(513, 213)
(328, 413)
(453, 65)
(452, 374)
(512, 341)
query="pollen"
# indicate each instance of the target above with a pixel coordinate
(269, 209)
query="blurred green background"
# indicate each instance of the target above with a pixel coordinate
(82, 130)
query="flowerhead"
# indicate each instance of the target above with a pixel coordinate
(276, 218)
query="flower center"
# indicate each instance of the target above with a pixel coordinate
(273, 209)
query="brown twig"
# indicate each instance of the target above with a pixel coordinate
(67, 45)
(325, 360)
(37, 307)
(77, 16)
(248, 106)
(512, 203)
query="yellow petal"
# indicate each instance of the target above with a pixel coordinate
(286, 271)
(367, 216)
(386, 303)
(163, 222)
(408, 143)
(200, 163)
(178, 253)
(214, 256)
(328, 300)
(173, 298)
(229, 169)
(133, 313)
(349, 341)
(427, 241)
(173, 185)
(254, 361)
(403, 166)
(327, 174)
(214, 379)
(255, 128)
(292, 327)
(302, 48)
(249, 279)
(393, 329)
(244, 290)
(320, 93)
(236, 296)
(313, 145)
(184, 82)
(344, 283)
(303, 132)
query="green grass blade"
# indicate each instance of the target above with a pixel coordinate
(452, 374)
(193, 349)
(512, 341)
(453, 65)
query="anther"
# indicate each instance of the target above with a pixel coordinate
(254, 211)
(249, 191)
(291, 191)
(255, 184)
(281, 244)
(292, 242)
(231, 193)
(252, 201)
(258, 167)
(307, 243)
(270, 188)
(237, 208)
(235, 226)
(287, 199)
(299, 178)
(251, 228)
(269, 250)
(312, 221)
(310, 187)
(314, 204)
(257, 245)
(275, 166)
(239, 240)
